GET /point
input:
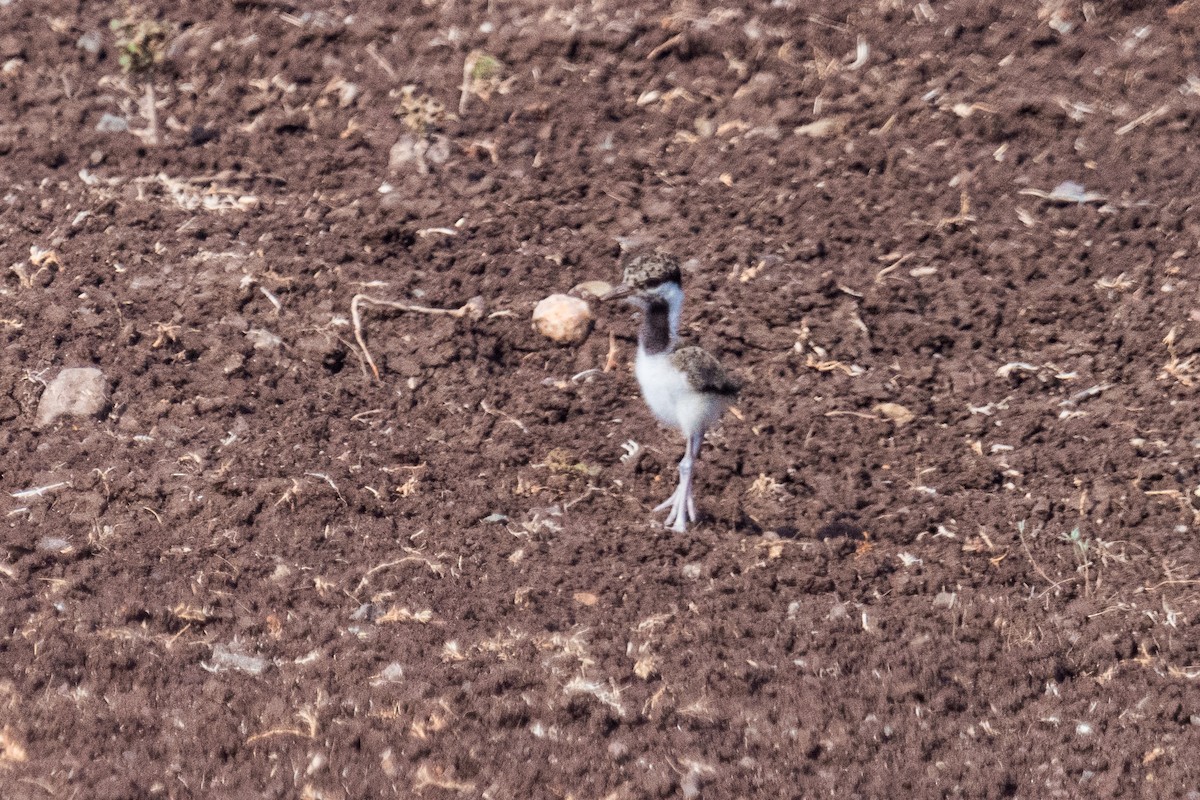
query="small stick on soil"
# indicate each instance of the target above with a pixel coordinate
(669, 44)
(383, 63)
(465, 90)
(964, 213)
(879, 276)
(472, 309)
(1087, 394)
(270, 296)
(488, 408)
(149, 134)
(610, 361)
(305, 715)
(860, 414)
(1143, 119)
(854, 370)
(278, 732)
(435, 567)
(328, 480)
(38, 491)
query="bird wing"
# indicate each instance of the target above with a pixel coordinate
(703, 372)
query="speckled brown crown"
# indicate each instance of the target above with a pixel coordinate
(647, 271)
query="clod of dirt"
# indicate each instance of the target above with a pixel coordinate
(77, 391)
(841, 529)
(563, 319)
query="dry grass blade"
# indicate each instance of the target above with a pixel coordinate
(1149, 116)
(488, 408)
(305, 715)
(1184, 371)
(608, 694)
(398, 614)
(829, 365)
(963, 216)
(610, 360)
(1119, 283)
(434, 567)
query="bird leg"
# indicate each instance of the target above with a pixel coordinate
(681, 503)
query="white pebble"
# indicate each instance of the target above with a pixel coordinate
(77, 391)
(563, 319)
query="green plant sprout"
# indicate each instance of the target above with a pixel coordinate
(141, 44)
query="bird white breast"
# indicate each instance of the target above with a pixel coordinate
(669, 396)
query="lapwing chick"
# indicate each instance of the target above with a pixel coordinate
(685, 387)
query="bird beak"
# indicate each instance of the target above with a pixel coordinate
(617, 292)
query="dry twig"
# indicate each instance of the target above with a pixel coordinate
(472, 309)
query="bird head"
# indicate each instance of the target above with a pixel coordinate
(649, 277)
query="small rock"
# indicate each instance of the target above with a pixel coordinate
(54, 544)
(823, 128)
(366, 611)
(422, 151)
(1072, 192)
(563, 319)
(233, 656)
(403, 151)
(838, 612)
(233, 364)
(111, 123)
(347, 94)
(77, 391)
(392, 673)
(945, 599)
(263, 339)
(89, 42)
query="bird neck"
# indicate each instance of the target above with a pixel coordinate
(660, 322)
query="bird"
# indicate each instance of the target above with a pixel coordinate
(685, 387)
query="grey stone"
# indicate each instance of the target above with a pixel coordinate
(77, 391)
(111, 123)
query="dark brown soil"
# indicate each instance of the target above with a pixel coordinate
(950, 545)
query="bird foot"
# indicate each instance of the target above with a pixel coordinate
(682, 508)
